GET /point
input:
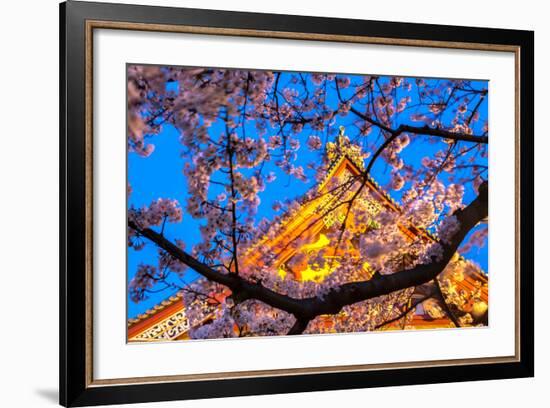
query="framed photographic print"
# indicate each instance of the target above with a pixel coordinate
(255, 203)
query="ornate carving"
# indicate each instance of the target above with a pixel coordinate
(167, 329)
(373, 207)
(331, 218)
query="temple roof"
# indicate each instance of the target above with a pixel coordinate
(178, 297)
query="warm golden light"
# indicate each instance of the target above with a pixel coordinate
(318, 274)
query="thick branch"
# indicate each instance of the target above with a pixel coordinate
(299, 326)
(347, 294)
(447, 134)
(240, 287)
(354, 292)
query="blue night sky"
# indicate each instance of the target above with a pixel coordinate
(161, 176)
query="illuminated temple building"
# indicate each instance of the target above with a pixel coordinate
(167, 321)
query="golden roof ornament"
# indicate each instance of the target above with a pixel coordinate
(343, 147)
(341, 136)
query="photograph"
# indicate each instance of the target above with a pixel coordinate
(257, 202)
(277, 203)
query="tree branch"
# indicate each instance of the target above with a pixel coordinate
(446, 307)
(299, 326)
(447, 134)
(346, 294)
(354, 292)
(419, 130)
